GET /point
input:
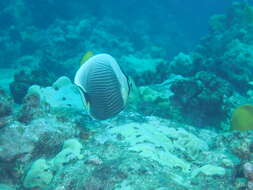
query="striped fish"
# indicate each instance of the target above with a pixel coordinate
(103, 86)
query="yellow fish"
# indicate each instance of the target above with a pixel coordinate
(242, 118)
(86, 56)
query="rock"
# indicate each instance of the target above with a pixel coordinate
(41, 172)
(18, 90)
(237, 66)
(5, 187)
(217, 23)
(227, 163)
(155, 99)
(159, 143)
(10, 149)
(71, 151)
(241, 148)
(31, 108)
(202, 96)
(227, 51)
(41, 137)
(6, 77)
(240, 183)
(26, 78)
(27, 62)
(248, 171)
(6, 104)
(62, 95)
(39, 175)
(250, 185)
(209, 170)
(6, 121)
(145, 70)
(182, 64)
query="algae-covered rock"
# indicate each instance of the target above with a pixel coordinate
(62, 95)
(41, 137)
(209, 170)
(6, 104)
(141, 64)
(179, 149)
(182, 64)
(71, 151)
(145, 70)
(6, 187)
(237, 64)
(200, 97)
(149, 94)
(39, 175)
(26, 78)
(158, 142)
(128, 154)
(10, 149)
(217, 23)
(155, 99)
(248, 171)
(226, 50)
(6, 78)
(31, 108)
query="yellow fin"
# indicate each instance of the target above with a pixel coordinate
(86, 56)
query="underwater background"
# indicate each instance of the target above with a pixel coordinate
(189, 117)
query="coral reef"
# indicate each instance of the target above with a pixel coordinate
(183, 65)
(5, 104)
(63, 94)
(226, 50)
(173, 134)
(30, 109)
(23, 80)
(248, 171)
(6, 109)
(39, 175)
(125, 154)
(119, 153)
(145, 70)
(71, 151)
(202, 97)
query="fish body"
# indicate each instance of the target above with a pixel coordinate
(103, 86)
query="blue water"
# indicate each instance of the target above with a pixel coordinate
(184, 20)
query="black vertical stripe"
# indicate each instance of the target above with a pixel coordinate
(104, 92)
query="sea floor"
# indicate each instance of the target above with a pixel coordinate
(63, 148)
